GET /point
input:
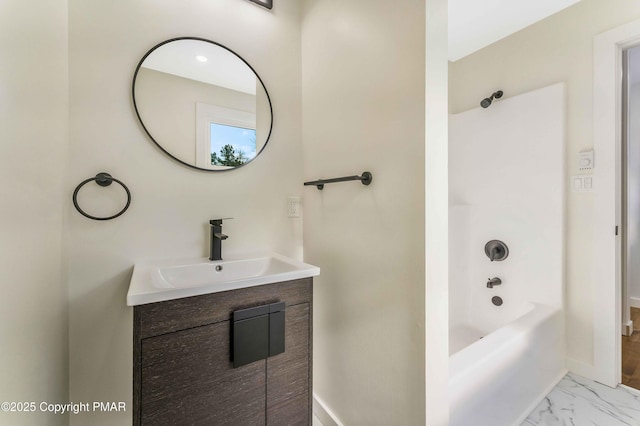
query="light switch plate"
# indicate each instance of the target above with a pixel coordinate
(582, 183)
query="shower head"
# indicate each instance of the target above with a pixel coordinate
(486, 102)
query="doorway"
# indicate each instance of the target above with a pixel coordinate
(630, 209)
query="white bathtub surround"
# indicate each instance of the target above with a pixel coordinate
(506, 180)
(579, 401)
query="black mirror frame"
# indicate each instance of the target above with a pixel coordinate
(264, 3)
(135, 106)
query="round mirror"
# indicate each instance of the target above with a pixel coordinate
(202, 104)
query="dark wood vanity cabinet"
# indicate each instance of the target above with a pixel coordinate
(182, 363)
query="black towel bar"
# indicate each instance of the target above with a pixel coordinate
(366, 179)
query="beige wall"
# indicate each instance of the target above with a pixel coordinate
(558, 49)
(33, 147)
(171, 204)
(363, 109)
(364, 77)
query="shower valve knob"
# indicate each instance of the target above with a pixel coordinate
(493, 281)
(496, 250)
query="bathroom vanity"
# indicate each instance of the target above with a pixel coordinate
(187, 362)
(215, 342)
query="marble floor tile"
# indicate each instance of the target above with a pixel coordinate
(577, 401)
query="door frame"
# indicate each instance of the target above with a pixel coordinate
(607, 247)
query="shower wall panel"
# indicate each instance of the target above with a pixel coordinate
(506, 182)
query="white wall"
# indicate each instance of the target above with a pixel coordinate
(506, 182)
(363, 109)
(171, 204)
(560, 48)
(33, 147)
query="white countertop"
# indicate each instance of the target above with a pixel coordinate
(160, 280)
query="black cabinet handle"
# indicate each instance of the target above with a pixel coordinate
(257, 333)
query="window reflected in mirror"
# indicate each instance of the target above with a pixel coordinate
(231, 146)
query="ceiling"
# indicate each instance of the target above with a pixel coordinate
(220, 67)
(474, 24)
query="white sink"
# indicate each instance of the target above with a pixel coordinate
(157, 281)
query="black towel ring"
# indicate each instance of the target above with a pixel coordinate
(102, 179)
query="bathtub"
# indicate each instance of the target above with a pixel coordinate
(500, 377)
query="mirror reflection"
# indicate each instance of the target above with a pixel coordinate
(202, 104)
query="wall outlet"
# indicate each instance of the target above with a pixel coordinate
(294, 206)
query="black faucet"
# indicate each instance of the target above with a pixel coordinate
(216, 239)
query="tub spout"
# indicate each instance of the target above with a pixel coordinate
(493, 281)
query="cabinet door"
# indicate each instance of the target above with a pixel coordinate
(187, 378)
(289, 375)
